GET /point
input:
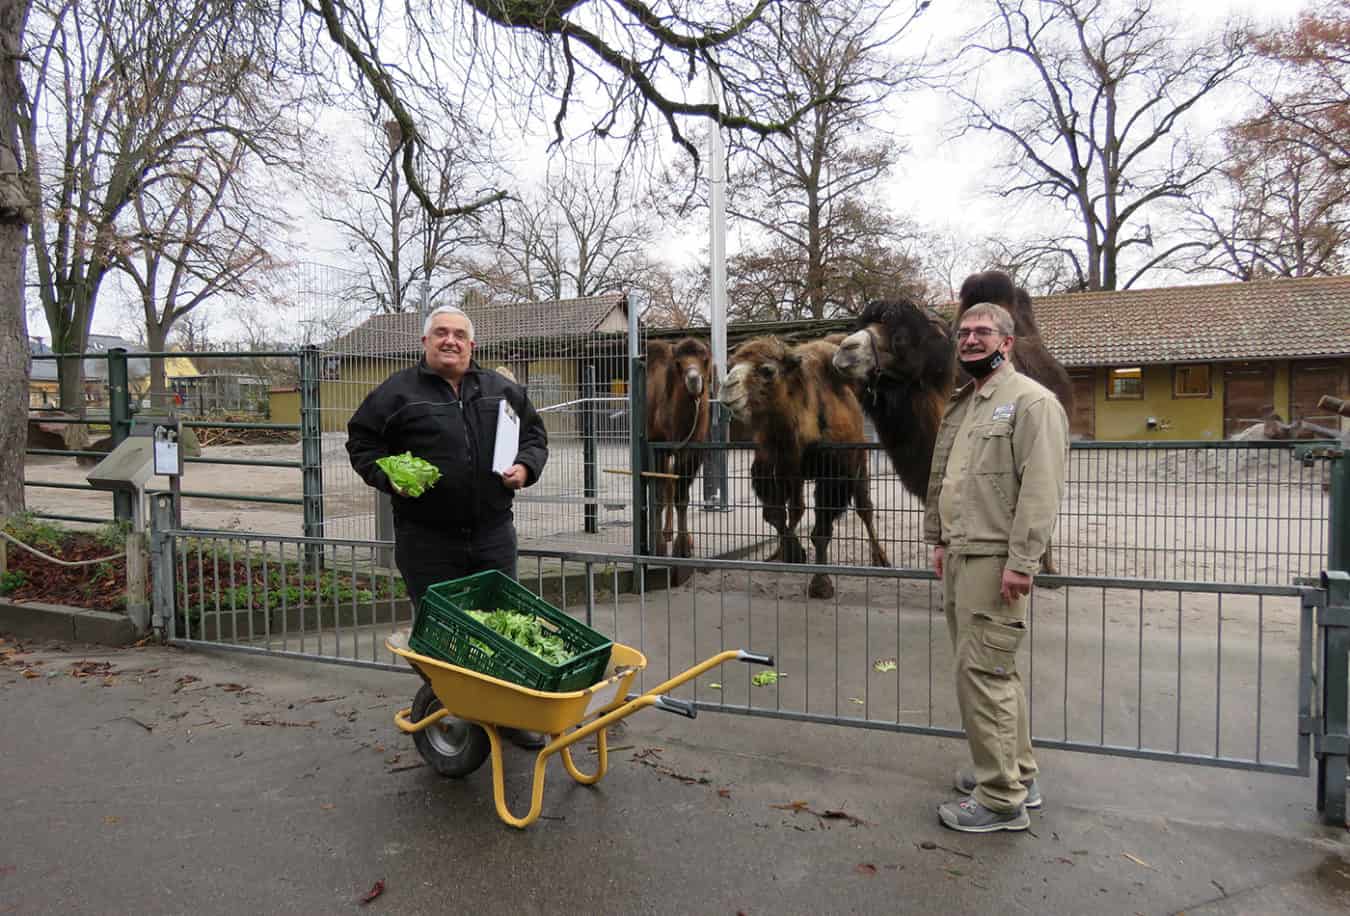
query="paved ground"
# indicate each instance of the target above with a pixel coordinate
(273, 786)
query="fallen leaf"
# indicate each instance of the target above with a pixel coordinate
(30, 673)
(110, 819)
(376, 890)
(867, 869)
(714, 686)
(232, 688)
(327, 806)
(859, 700)
(767, 678)
(794, 806)
(884, 664)
(724, 793)
(183, 681)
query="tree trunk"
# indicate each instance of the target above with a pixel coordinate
(16, 209)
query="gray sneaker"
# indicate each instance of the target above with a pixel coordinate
(969, 816)
(965, 784)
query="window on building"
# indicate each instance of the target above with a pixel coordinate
(1125, 384)
(1190, 382)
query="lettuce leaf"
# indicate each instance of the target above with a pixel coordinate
(410, 474)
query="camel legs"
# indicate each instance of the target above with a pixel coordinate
(862, 504)
(832, 495)
(775, 494)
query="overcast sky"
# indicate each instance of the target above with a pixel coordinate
(940, 184)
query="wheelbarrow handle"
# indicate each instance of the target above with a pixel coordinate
(754, 658)
(679, 707)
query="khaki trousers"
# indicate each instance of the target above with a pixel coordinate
(986, 634)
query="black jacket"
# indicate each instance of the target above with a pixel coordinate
(415, 410)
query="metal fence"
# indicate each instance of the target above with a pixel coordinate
(572, 360)
(276, 484)
(1213, 674)
(1240, 512)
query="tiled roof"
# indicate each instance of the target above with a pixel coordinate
(1264, 319)
(402, 333)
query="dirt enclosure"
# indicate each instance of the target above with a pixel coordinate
(1239, 515)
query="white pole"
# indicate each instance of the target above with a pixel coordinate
(715, 483)
(717, 246)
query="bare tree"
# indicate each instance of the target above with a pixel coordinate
(16, 213)
(198, 234)
(404, 252)
(1312, 99)
(675, 297)
(809, 192)
(615, 66)
(1281, 208)
(122, 88)
(1096, 121)
(583, 234)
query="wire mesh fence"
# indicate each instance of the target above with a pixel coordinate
(1242, 512)
(571, 357)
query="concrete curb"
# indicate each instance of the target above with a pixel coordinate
(35, 620)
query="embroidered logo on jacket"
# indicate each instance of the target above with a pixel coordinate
(1005, 411)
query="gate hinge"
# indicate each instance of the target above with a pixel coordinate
(1331, 745)
(1310, 725)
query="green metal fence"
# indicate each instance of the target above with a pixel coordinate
(122, 412)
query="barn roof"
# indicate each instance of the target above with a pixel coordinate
(1264, 319)
(401, 334)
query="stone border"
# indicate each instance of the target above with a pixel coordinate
(35, 620)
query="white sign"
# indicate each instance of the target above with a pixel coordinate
(168, 458)
(508, 439)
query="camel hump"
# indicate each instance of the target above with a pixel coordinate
(988, 286)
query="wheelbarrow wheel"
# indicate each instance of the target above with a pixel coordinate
(452, 746)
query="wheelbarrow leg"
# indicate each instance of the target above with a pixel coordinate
(602, 753)
(499, 787)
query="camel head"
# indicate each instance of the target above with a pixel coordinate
(755, 375)
(693, 361)
(898, 340)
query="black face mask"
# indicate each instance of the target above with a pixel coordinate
(979, 368)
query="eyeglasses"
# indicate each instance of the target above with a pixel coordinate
(963, 333)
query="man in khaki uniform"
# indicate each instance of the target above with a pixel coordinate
(993, 495)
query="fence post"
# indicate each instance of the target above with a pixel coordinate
(1332, 744)
(590, 484)
(119, 421)
(162, 572)
(311, 446)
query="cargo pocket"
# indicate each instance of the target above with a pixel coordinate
(996, 642)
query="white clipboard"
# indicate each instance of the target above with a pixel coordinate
(507, 446)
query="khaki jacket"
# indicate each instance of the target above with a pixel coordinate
(1006, 497)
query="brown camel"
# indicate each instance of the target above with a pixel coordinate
(677, 411)
(1029, 354)
(903, 360)
(798, 407)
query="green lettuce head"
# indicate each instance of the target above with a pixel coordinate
(412, 475)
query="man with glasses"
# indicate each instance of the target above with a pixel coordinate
(445, 411)
(993, 496)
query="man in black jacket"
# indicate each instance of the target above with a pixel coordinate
(444, 410)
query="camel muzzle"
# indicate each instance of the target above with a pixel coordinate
(693, 381)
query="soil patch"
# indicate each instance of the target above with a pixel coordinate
(97, 586)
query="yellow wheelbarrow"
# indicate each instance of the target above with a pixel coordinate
(454, 719)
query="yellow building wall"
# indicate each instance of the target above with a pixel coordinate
(283, 405)
(1178, 418)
